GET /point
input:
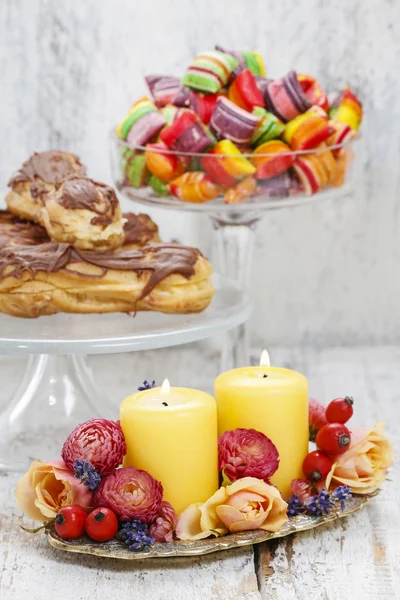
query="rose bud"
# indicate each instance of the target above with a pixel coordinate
(162, 530)
(316, 417)
(99, 441)
(247, 453)
(132, 494)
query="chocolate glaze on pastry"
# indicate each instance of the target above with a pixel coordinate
(18, 232)
(85, 193)
(161, 259)
(52, 167)
(138, 228)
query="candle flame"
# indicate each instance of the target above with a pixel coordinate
(166, 387)
(264, 360)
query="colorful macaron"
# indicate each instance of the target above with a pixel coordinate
(251, 60)
(136, 171)
(347, 109)
(141, 123)
(186, 134)
(281, 186)
(285, 97)
(225, 164)
(203, 105)
(342, 134)
(269, 127)
(308, 130)
(195, 187)
(161, 163)
(313, 91)
(242, 190)
(158, 186)
(271, 159)
(229, 121)
(163, 88)
(244, 92)
(315, 170)
(209, 71)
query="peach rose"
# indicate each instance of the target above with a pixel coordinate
(47, 487)
(364, 466)
(248, 503)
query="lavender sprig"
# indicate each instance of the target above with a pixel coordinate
(321, 504)
(136, 536)
(295, 506)
(341, 494)
(146, 385)
(88, 475)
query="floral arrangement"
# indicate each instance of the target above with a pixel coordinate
(88, 492)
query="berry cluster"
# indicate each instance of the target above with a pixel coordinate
(332, 439)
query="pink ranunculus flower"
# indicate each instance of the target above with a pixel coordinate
(132, 494)
(100, 441)
(47, 487)
(162, 530)
(247, 453)
(302, 488)
(316, 417)
(364, 466)
(247, 504)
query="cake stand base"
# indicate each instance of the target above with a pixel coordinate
(56, 393)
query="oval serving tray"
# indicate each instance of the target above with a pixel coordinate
(117, 549)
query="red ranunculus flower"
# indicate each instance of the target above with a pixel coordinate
(247, 453)
(99, 441)
(132, 494)
(162, 530)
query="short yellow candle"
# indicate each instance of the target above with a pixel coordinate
(172, 434)
(273, 401)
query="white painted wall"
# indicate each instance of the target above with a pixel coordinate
(329, 273)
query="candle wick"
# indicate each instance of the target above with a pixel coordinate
(165, 403)
(265, 375)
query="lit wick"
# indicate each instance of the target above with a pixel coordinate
(265, 361)
(165, 390)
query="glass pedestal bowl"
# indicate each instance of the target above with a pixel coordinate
(234, 190)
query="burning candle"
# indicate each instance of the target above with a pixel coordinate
(172, 434)
(271, 400)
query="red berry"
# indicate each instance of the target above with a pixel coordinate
(333, 438)
(316, 466)
(101, 524)
(70, 522)
(340, 410)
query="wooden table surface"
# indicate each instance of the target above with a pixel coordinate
(356, 558)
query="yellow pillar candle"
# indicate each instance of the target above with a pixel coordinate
(172, 434)
(273, 401)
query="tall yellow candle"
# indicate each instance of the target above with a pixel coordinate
(273, 401)
(172, 434)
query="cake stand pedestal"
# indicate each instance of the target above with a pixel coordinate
(58, 390)
(234, 227)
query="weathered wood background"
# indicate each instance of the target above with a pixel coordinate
(69, 70)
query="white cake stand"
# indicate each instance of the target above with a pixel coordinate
(58, 389)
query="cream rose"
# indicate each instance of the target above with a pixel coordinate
(47, 487)
(248, 503)
(364, 466)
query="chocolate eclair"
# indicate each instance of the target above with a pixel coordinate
(57, 277)
(37, 177)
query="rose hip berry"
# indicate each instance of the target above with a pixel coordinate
(340, 410)
(101, 524)
(316, 466)
(333, 438)
(70, 522)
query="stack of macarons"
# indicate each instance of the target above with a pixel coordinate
(225, 128)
